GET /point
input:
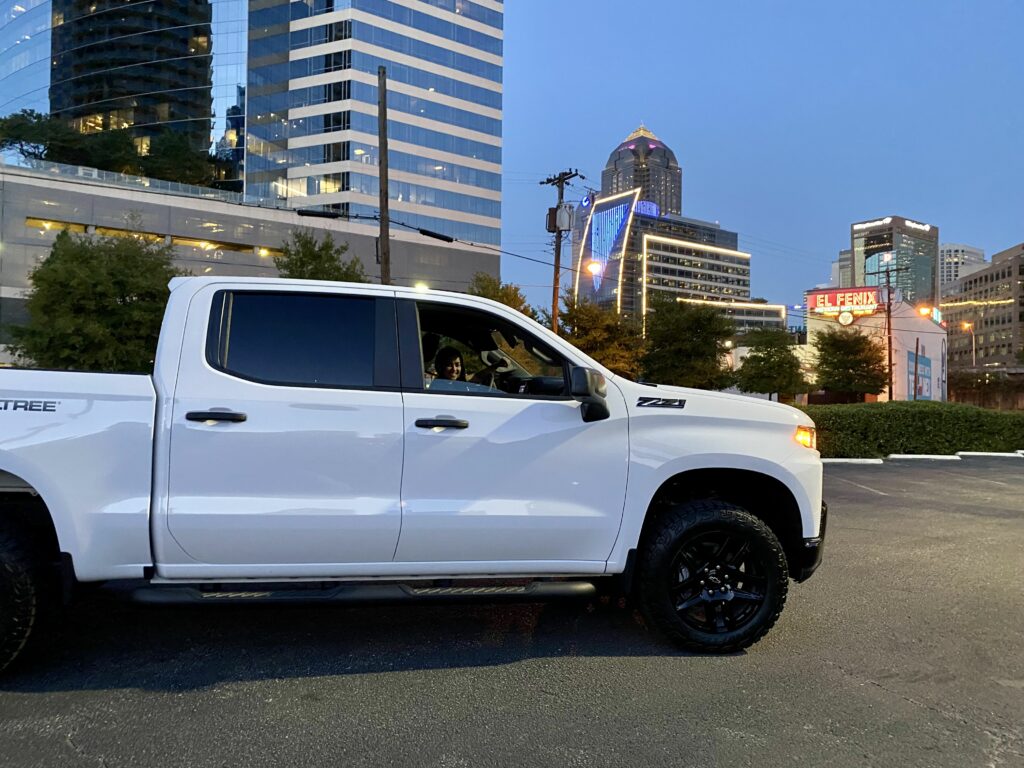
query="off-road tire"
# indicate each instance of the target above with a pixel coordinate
(20, 585)
(679, 530)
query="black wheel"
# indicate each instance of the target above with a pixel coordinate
(712, 577)
(19, 595)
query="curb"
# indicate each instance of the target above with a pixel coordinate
(1014, 455)
(925, 456)
(854, 461)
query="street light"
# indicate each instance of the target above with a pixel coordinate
(974, 347)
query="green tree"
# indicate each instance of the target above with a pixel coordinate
(770, 367)
(686, 345)
(508, 294)
(173, 158)
(96, 304)
(601, 333)
(850, 362)
(36, 136)
(111, 151)
(306, 258)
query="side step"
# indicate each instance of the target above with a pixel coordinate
(362, 593)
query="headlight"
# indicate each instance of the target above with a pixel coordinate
(807, 437)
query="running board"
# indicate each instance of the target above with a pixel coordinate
(363, 593)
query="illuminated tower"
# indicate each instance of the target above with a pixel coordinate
(643, 161)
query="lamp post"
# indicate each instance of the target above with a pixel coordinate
(974, 347)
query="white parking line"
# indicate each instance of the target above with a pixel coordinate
(851, 461)
(866, 488)
(927, 456)
(970, 477)
(1015, 455)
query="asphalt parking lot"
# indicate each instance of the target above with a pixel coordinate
(905, 649)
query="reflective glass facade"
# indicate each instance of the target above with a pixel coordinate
(644, 161)
(142, 65)
(907, 250)
(283, 93)
(313, 142)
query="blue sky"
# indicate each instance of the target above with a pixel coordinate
(791, 120)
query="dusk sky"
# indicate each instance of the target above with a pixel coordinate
(791, 120)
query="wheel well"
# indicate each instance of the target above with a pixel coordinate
(761, 495)
(27, 512)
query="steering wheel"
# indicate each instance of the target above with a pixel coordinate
(497, 361)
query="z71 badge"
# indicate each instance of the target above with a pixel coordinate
(660, 402)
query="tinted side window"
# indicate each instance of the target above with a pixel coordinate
(293, 338)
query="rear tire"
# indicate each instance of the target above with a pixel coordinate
(712, 577)
(19, 595)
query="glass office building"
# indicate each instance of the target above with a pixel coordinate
(141, 65)
(284, 93)
(905, 250)
(314, 143)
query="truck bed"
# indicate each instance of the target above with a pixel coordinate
(84, 443)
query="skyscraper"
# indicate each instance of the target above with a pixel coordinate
(140, 65)
(957, 260)
(908, 250)
(643, 161)
(633, 242)
(292, 86)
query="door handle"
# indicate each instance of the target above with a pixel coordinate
(442, 422)
(215, 416)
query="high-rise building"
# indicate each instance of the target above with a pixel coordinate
(643, 161)
(842, 269)
(633, 243)
(284, 93)
(907, 250)
(985, 314)
(141, 65)
(957, 260)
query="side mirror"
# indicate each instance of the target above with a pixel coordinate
(590, 388)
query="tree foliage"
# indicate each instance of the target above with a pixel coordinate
(601, 333)
(686, 345)
(172, 157)
(849, 361)
(96, 304)
(770, 367)
(39, 136)
(304, 257)
(509, 294)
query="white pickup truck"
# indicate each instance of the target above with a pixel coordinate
(318, 441)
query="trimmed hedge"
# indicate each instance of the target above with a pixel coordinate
(870, 430)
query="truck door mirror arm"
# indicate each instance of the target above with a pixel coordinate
(589, 388)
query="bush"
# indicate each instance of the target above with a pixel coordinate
(870, 430)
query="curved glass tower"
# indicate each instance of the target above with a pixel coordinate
(141, 65)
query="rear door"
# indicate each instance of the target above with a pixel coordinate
(286, 435)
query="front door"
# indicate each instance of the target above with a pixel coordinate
(285, 454)
(501, 472)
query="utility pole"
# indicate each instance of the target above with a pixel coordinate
(384, 238)
(917, 351)
(888, 314)
(558, 181)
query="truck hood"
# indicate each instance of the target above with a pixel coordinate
(651, 399)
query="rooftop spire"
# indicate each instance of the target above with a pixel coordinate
(642, 133)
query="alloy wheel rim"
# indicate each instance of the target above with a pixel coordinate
(718, 581)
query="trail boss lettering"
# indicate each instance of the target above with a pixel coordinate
(660, 402)
(48, 406)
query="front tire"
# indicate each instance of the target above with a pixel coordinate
(712, 577)
(19, 595)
